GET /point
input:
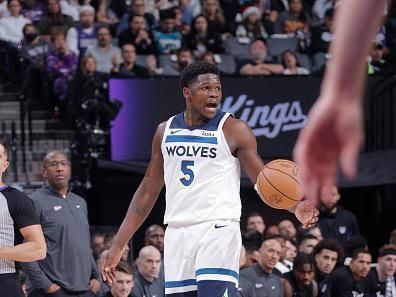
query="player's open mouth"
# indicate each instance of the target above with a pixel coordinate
(211, 105)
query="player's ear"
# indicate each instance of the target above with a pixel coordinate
(186, 92)
(5, 166)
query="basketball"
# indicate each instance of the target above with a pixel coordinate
(279, 184)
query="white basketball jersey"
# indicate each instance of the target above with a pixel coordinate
(202, 177)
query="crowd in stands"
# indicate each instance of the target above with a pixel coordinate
(141, 38)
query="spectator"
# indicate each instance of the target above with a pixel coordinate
(11, 26)
(255, 222)
(147, 283)
(271, 11)
(33, 10)
(183, 58)
(351, 280)
(356, 242)
(84, 34)
(152, 65)
(71, 8)
(123, 281)
(154, 235)
(291, 252)
(167, 38)
(300, 282)
(251, 240)
(106, 17)
(271, 231)
(320, 8)
(322, 35)
(307, 244)
(382, 277)
(335, 221)
(287, 229)
(327, 254)
(295, 19)
(137, 8)
(258, 64)
(291, 64)
(260, 274)
(139, 36)
(108, 240)
(129, 68)
(392, 237)
(214, 14)
(251, 28)
(283, 265)
(315, 231)
(20, 232)
(88, 84)
(4, 12)
(209, 57)
(34, 51)
(376, 62)
(54, 20)
(105, 53)
(61, 65)
(97, 244)
(69, 265)
(200, 40)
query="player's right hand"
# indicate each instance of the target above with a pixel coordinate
(109, 263)
(334, 133)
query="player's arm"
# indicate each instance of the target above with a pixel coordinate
(142, 202)
(243, 145)
(33, 248)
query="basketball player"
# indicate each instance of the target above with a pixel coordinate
(334, 131)
(198, 154)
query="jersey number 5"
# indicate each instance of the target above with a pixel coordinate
(188, 173)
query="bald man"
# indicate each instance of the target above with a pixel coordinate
(69, 268)
(261, 275)
(147, 283)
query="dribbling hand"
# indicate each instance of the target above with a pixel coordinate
(306, 213)
(334, 133)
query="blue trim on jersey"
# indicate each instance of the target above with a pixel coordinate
(190, 138)
(208, 125)
(182, 283)
(221, 271)
(3, 187)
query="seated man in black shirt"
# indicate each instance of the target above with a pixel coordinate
(382, 277)
(129, 68)
(349, 281)
(300, 281)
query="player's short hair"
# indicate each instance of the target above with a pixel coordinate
(124, 267)
(301, 259)
(356, 253)
(192, 71)
(331, 245)
(306, 237)
(4, 142)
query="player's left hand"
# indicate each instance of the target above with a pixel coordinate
(306, 213)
